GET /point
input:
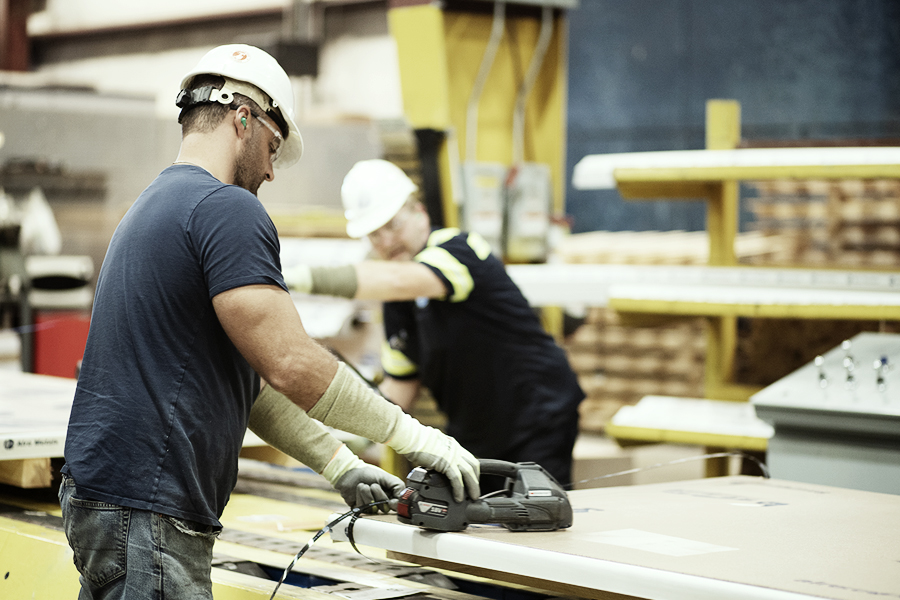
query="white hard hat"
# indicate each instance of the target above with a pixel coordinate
(241, 64)
(373, 192)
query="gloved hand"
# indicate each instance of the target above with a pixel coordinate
(364, 485)
(298, 278)
(282, 424)
(360, 483)
(430, 448)
(350, 405)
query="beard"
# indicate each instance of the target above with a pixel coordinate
(248, 173)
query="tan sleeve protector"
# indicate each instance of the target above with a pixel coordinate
(285, 426)
(334, 281)
(352, 406)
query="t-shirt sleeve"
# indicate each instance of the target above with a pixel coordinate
(236, 241)
(455, 260)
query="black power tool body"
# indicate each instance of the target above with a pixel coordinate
(532, 500)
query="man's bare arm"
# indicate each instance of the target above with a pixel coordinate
(369, 280)
(396, 281)
(263, 323)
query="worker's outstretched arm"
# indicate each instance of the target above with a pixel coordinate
(285, 426)
(263, 324)
(369, 280)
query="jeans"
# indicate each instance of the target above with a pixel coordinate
(136, 554)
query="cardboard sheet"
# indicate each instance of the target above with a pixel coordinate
(727, 537)
(34, 413)
(34, 416)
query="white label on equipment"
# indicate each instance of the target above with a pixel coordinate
(653, 542)
(432, 508)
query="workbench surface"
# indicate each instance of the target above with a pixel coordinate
(727, 537)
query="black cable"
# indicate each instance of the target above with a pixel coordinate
(350, 531)
(356, 512)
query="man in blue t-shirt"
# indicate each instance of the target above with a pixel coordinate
(193, 338)
(456, 323)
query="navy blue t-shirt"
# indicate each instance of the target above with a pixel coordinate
(481, 351)
(164, 397)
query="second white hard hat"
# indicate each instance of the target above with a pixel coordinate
(373, 192)
(248, 64)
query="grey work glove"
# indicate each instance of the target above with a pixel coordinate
(364, 485)
(360, 483)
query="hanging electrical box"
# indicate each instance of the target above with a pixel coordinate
(477, 61)
(484, 201)
(528, 199)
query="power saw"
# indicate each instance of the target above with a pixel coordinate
(531, 500)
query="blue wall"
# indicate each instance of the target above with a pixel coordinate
(640, 72)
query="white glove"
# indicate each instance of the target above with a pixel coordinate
(299, 278)
(360, 483)
(430, 448)
(350, 405)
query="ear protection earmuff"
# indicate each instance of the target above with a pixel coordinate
(244, 122)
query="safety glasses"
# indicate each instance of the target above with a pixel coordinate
(277, 143)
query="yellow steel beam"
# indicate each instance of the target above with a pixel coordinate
(633, 184)
(439, 54)
(694, 438)
(723, 132)
(721, 341)
(418, 32)
(723, 124)
(767, 311)
(447, 163)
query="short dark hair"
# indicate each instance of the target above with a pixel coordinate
(204, 117)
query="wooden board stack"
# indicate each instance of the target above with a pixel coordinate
(846, 223)
(618, 364)
(829, 224)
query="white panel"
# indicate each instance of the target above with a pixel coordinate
(73, 15)
(596, 171)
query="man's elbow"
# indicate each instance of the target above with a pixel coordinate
(302, 379)
(287, 377)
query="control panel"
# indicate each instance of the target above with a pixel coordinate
(837, 418)
(855, 386)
